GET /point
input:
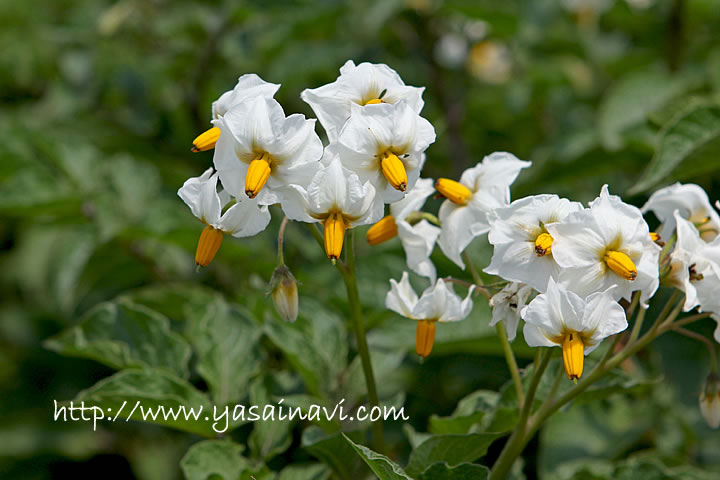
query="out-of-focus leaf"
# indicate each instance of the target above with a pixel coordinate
(382, 466)
(313, 471)
(305, 404)
(122, 335)
(385, 370)
(688, 145)
(335, 451)
(213, 457)
(464, 471)
(452, 449)
(270, 434)
(153, 396)
(468, 414)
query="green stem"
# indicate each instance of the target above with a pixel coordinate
(281, 240)
(692, 318)
(511, 363)
(359, 327)
(638, 324)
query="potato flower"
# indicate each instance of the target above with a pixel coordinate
(507, 305)
(438, 303)
(692, 203)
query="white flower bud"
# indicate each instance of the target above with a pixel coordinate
(284, 293)
(710, 401)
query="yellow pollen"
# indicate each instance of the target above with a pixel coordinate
(257, 174)
(654, 236)
(573, 355)
(206, 140)
(374, 101)
(456, 192)
(394, 171)
(382, 231)
(424, 337)
(543, 244)
(621, 264)
(334, 235)
(208, 245)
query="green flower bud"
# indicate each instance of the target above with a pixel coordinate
(710, 400)
(284, 293)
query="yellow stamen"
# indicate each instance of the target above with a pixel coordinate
(206, 140)
(456, 192)
(334, 235)
(208, 245)
(424, 337)
(382, 231)
(374, 101)
(257, 174)
(621, 264)
(654, 236)
(573, 355)
(394, 171)
(543, 244)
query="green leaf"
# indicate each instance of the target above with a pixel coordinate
(464, 471)
(468, 414)
(269, 436)
(688, 145)
(152, 392)
(226, 341)
(125, 335)
(452, 449)
(313, 471)
(213, 457)
(334, 451)
(385, 369)
(382, 466)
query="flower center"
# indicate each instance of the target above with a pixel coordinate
(394, 170)
(573, 355)
(374, 101)
(334, 235)
(424, 337)
(621, 264)
(208, 245)
(206, 140)
(543, 244)
(257, 175)
(454, 191)
(382, 231)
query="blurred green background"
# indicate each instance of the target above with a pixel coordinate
(99, 102)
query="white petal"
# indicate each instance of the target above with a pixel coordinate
(603, 317)
(498, 170)
(245, 219)
(401, 298)
(414, 199)
(518, 262)
(248, 86)
(418, 242)
(535, 336)
(192, 193)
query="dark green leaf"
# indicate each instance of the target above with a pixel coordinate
(382, 466)
(453, 449)
(213, 457)
(464, 471)
(335, 451)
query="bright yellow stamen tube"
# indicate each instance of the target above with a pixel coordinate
(456, 192)
(206, 140)
(382, 231)
(257, 174)
(621, 264)
(208, 245)
(374, 101)
(424, 337)
(394, 171)
(573, 355)
(654, 236)
(334, 235)
(543, 244)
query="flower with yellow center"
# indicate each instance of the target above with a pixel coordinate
(248, 86)
(364, 84)
(481, 189)
(561, 318)
(384, 143)
(438, 303)
(606, 245)
(261, 151)
(337, 199)
(417, 237)
(243, 219)
(691, 202)
(522, 245)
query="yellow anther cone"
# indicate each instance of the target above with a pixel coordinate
(654, 236)
(374, 101)
(424, 337)
(573, 355)
(456, 192)
(334, 235)
(621, 264)
(543, 244)
(206, 140)
(382, 231)
(394, 171)
(208, 245)
(257, 175)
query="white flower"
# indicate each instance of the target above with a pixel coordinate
(384, 144)
(482, 188)
(359, 85)
(560, 317)
(260, 147)
(523, 247)
(507, 305)
(438, 303)
(243, 219)
(337, 198)
(604, 245)
(417, 237)
(692, 203)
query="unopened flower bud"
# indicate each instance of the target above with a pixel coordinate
(284, 293)
(710, 400)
